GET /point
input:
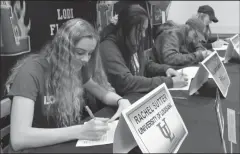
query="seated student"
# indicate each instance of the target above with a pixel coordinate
(207, 15)
(48, 87)
(158, 29)
(180, 46)
(123, 58)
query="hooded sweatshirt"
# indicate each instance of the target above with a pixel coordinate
(120, 75)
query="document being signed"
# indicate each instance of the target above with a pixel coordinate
(106, 138)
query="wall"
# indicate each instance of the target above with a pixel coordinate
(227, 13)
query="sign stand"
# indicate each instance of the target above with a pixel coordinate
(220, 119)
(153, 123)
(211, 65)
(231, 128)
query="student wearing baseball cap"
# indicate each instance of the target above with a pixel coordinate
(207, 15)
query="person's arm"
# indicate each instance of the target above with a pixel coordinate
(207, 45)
(120, 76)
(170, 45)
(25, 89)
(153, 67)
(23, 135)
(107, 97)
(212, 39)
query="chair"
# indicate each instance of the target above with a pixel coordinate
(5, 111)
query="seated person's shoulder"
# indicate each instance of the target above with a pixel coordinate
(29, 78)
(170, 33)
(111, 39)
(109, 44)
(35, 64)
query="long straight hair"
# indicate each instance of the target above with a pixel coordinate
(128, 18)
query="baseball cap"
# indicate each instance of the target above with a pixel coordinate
(208, 10)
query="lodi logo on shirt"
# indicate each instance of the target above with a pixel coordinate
(49, 100)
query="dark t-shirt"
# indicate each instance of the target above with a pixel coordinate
(30, 83)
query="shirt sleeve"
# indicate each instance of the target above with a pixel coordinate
(26, 82)
(212, 39)
(120, 76)
(153, 66)
(207, 45)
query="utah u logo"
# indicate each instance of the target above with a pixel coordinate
(14, 33)
(165, 130)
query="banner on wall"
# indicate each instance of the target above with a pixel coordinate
(156, 15)
(14, 33)
(28, 25)
(104, 13)
(159, 11)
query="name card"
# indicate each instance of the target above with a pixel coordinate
(152, 122)
(215, 67)
(211, 65)
(231, 125)
(233, 49)
(200, 78)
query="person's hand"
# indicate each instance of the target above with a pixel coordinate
(223, 42)
(171, 72)
(123, 104)
(206, 53)
(219, 43)
(94, 129)
(180, 81)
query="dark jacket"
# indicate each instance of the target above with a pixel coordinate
(171, 48)
(208, 44)
(118, 69)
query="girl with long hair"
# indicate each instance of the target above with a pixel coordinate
(47, 90)
(127, 67)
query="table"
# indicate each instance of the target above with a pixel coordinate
(198, 114)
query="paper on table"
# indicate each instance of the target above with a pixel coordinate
(106, 139)
(224, 47)
(190, 72)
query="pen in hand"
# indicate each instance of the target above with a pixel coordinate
(89, 112)
(182, 73)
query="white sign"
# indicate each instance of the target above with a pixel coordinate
(215, 67)
(153, 122)
(233, 48)
(231, 125)
(211, 66)
(200, 78)
(220, 117)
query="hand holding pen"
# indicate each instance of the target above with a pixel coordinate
(95, 128)
(219, 43)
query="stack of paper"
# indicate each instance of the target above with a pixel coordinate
(106, 139)
(224, 47)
